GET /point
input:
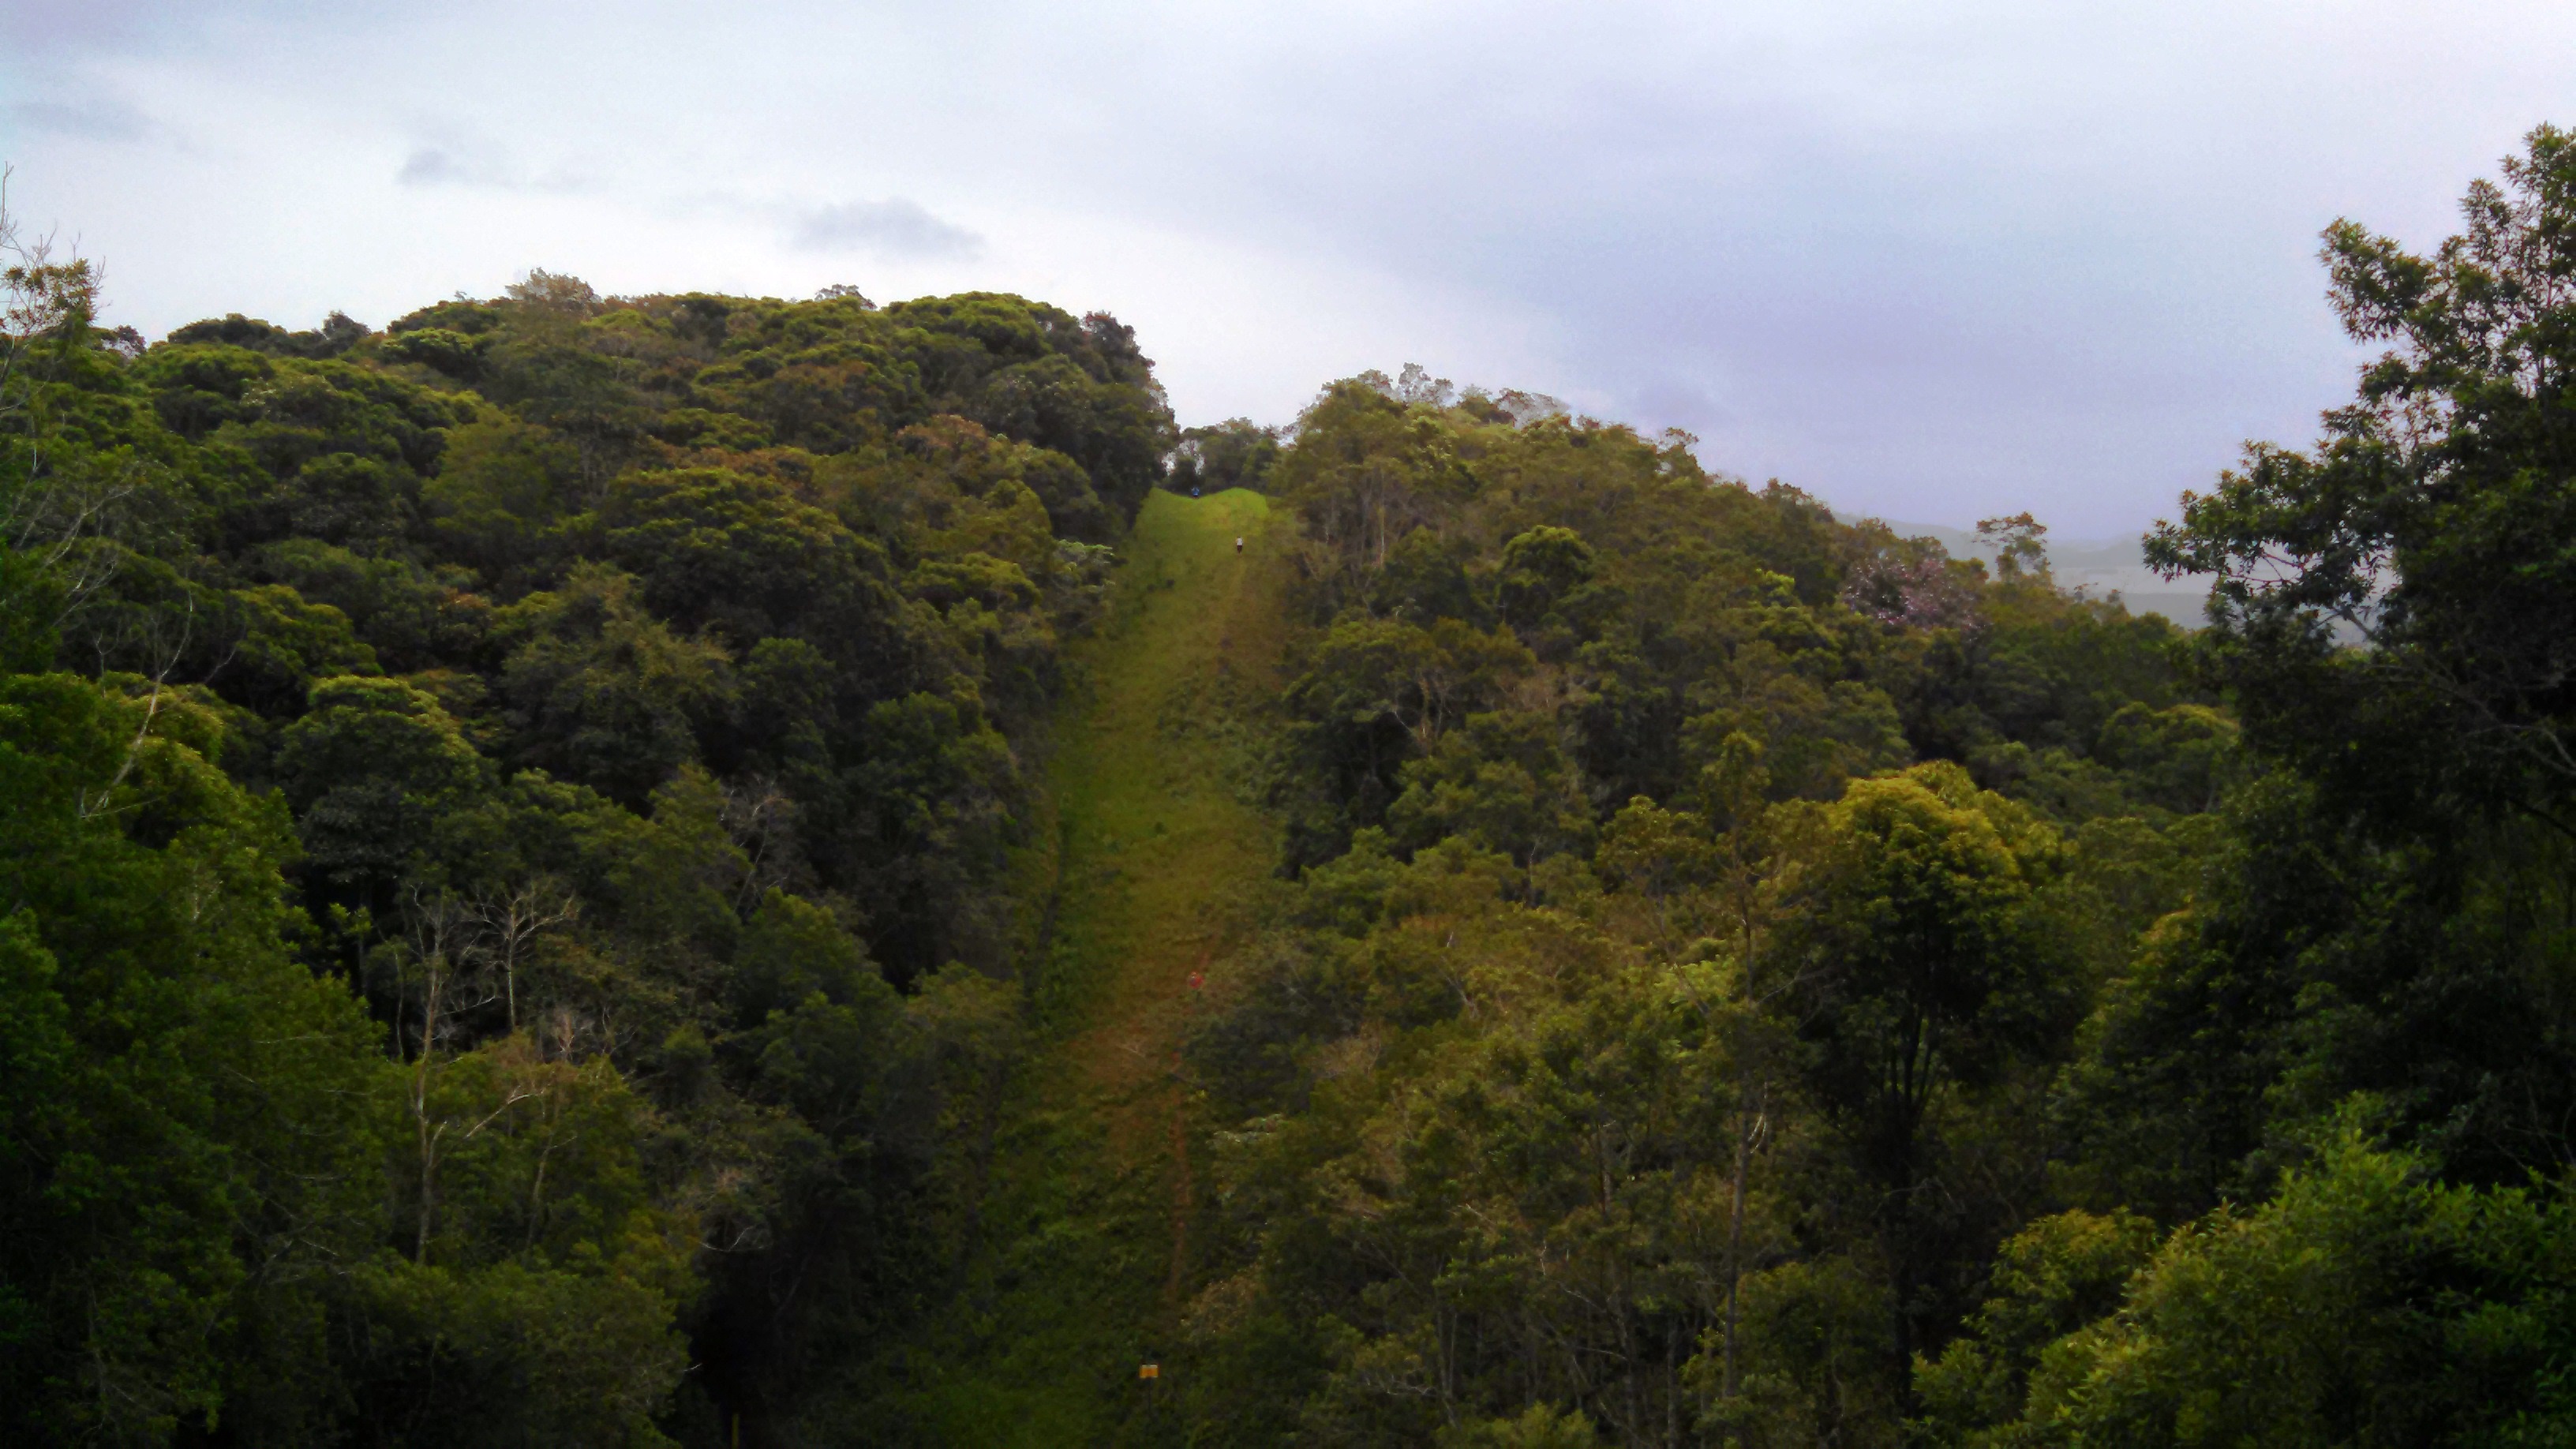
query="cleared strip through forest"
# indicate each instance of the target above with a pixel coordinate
(1151, 846)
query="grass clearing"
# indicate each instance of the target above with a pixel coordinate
(1147, 855)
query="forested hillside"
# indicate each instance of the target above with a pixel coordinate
(682, 870)
(505, 819)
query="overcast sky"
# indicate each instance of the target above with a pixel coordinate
(1927, 261)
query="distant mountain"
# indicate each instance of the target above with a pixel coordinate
(2099, 567)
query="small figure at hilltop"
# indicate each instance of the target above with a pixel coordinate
(1238, 543)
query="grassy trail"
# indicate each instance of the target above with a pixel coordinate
(1145, 876)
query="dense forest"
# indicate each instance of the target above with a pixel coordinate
(533, 908)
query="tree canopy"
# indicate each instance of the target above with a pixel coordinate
(525, 913)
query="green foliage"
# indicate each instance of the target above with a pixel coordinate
(2053, 1278)
(1925, 980)
(600, 691)
(2389, 917)
(337, 334)
(1378, 693)
(1502, 782)
(1540, 1427)
(1664, 1021)
(539, 902)
(283, 644)
(189, 1114)
(2363, 1305)
(737, 555)
(1236, 453)
(2431, 519)
(371, 769)
(717, 629)
(500, 484)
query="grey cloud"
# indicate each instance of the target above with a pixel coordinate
(430, 166)
(894, 228)
(139, 27)
(93, 118)
(467, 164)
(56, 25)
